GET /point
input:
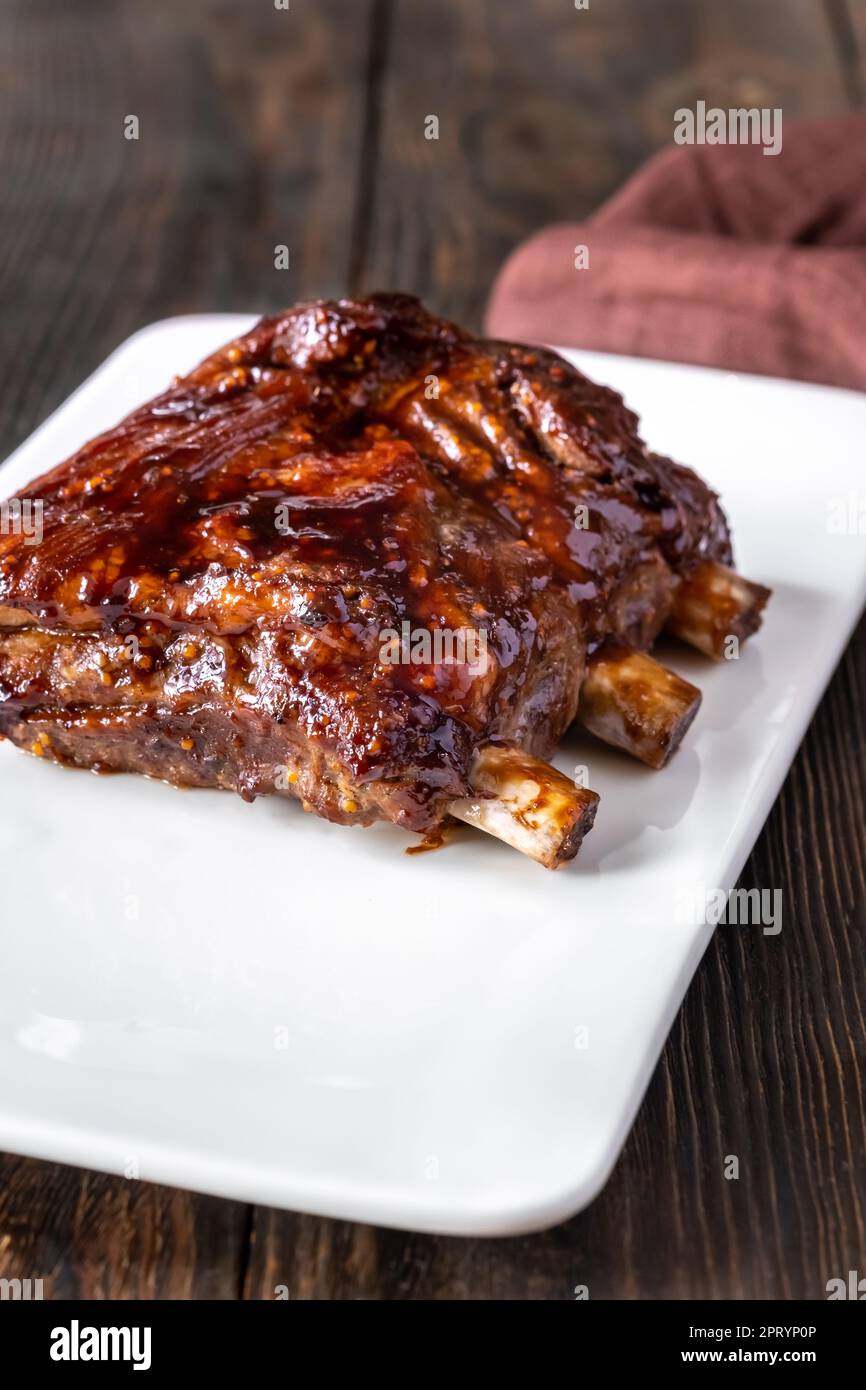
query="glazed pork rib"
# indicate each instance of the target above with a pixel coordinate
(360, 558)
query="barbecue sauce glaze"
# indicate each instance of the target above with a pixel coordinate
(246, 536)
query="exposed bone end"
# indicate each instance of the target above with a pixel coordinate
(528, 804)
(715, 603)
(630, 700)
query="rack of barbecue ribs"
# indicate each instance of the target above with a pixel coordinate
(230, 583)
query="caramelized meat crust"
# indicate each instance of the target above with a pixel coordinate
(217, 576)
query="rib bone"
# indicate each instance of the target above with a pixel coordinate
(630, 700)
(714, 603)
(528, 804)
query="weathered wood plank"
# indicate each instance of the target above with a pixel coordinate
(256, 128)
(250, 129)
(847, 21)
(766, 1062)
(543, 110)
(88, 1236)
(251, 121)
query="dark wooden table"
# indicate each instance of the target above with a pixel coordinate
(260, 126)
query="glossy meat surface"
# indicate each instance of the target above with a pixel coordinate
(209, 599)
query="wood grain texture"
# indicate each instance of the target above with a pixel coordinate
(89, 1236)
(250, 128)
(543, 110)
(306, 127)
(766, 1062)
(251, 122)
(847, 21)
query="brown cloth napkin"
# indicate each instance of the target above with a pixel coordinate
(717, 254)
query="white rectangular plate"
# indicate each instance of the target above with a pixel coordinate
(248, 1001)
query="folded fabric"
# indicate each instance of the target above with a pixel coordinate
(716, 254)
